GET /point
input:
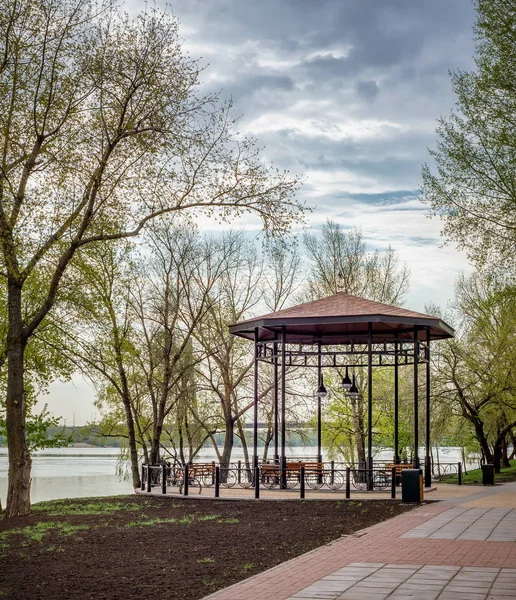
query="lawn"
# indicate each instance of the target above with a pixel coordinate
(474, 477)
(136, 546)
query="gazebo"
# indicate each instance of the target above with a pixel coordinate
(343, 331)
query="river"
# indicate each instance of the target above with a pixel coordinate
(82, 472)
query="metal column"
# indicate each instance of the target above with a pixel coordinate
(416, 399)
(255, 425)
(370, 404)
(428, 469)
(276, 415)
(319, 401)
(396, 403)
(283, 406)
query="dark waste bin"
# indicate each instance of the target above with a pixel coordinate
(412, 486)
(488, 475)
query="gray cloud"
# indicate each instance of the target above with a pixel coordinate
(345, 91)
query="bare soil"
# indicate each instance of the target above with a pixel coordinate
(184, 549)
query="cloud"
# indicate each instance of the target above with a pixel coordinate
(348, 93)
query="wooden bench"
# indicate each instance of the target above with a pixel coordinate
(292, 467)
(399, 467)
(310, 467)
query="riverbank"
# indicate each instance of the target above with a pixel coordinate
(134, 546)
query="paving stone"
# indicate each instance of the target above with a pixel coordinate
(365, 595)
(462, 596)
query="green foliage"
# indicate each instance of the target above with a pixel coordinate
(37, 431)
(473, 184)
(474, 378)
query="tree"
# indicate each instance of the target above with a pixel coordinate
(225, 374)
(472, 187)
(170, 301)
(339, 262)
(475, 374)
(102, 130)
(102, 343)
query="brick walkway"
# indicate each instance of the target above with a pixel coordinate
(460, 523)
(385, 545)
(378, 582)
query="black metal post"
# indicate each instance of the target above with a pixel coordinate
(283, 484)
(255, 425)
(393, 482)
(459, 473)
(276, 408)
(257, 482)
(332, 472)
(185, 482)
(370, 406)
(148, 478)
(428, 467)
(348, 482)
(217, 482)
(143, 478)
(319, 402)
(239, 472)
(302, 475)
(416, 399)
(163, 478)
(396, 403)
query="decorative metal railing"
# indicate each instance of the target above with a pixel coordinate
(443, 471)
(302, 476)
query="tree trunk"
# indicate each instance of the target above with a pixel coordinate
(497, 456)
(513, 442)
(481, 437)
(245, 449)
(126, 401)
(505, 456)
(20, 462)
(358, 426)
(133, 451)
(156, 438)
(228, 444)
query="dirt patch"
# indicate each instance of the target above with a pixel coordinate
(141, 547)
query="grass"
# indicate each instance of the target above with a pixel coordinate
(150, 522)
(474, 477)
(187, 520)
(36, 533)
(66, 507)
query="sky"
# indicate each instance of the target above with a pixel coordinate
(345, 93)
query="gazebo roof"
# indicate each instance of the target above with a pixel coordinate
(342, 319)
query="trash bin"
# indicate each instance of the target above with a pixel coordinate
(488, 475)
(412, 486)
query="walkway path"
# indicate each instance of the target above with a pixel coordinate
(462, 548)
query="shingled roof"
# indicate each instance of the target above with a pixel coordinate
(340, 319)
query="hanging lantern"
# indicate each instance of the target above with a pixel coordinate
(322, 391)
(346, 381)
(353, 390)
